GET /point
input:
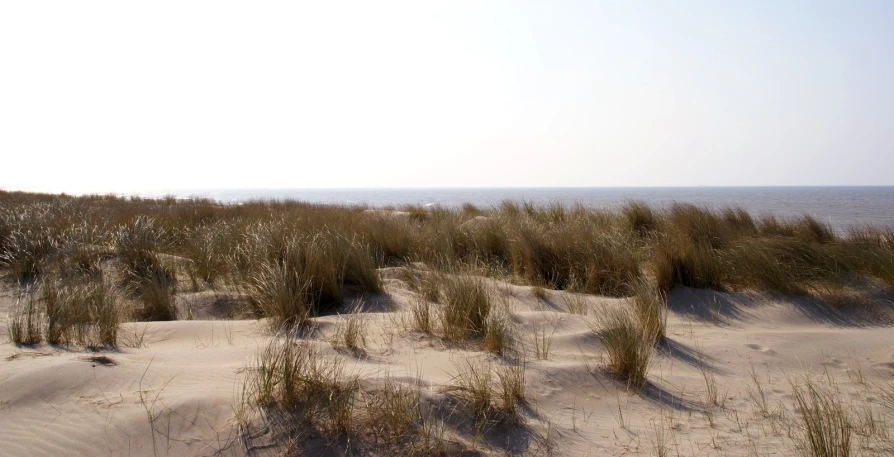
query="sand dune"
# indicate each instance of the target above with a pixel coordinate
(174, 387)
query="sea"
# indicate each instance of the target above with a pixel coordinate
(840, 207)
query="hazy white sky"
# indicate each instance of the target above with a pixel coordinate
(124, 96)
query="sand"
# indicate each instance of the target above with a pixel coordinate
(172, 388)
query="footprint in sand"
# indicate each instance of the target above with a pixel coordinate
(884, 366)
(759, 348)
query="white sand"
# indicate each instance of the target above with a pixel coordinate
(175, 395)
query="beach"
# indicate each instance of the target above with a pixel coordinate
(415, 356)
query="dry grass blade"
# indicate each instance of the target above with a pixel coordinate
(543, 341)
(576, 304)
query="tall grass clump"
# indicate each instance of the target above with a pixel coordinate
(871, 250)
(783, 265)
(157, 290)
(629, 349)
(427, 284)
(391, 239)
(138, 246)
(24, 320)
(421, 315)
(489, 240)
(294, 379)
(575, 256)
(207, 247)
(812, 230)
(650, 310)
(465, 308)
(82, 247)
(489, 402)
(499, 335)
(701, 226)
(352, 333)
(395, 414)
(81, 313)
(512, 387)
(357, 268)
(640, 217)
(302, 276)
(689, 252)
(739, 220)
(25, 252)
(576, 304)
(678, 261)
(826, 426)
(280, 290)
(7, 216)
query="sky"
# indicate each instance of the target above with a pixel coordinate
(112, 96)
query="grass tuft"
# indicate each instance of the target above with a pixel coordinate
(24, 320)
(499, 338)
(352, 333)
(488, 403)
(650, 310)
(826, 427)
(81, 313)
(395, 413)
(629, 351)
(640, 217)
(295, 379)
(465, 308)
(303, 276)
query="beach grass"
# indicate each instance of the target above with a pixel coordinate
(296, 260)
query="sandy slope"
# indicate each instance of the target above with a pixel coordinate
(174, 393)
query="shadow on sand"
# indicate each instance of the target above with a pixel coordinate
(727, 307)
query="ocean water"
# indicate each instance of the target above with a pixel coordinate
(840, 207)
